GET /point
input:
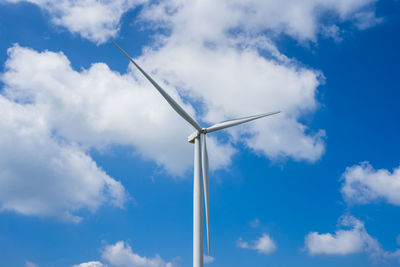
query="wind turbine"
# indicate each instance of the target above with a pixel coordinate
(198, 138)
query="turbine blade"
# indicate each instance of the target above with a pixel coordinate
(205, 171)
(167, 97)
(230, 123)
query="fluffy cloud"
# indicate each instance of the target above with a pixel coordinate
(99, 20)
(231, 83)
(95, 20)
(41, 175)
(353, 240)
(221, 55)
(227, 76)
(121, 255)
(53, 114)
(301, 20)
(98, 107)
(91, 264)
(242, 81)
(363, 184)
(264, 244)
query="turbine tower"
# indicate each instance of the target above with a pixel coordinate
(198, 138)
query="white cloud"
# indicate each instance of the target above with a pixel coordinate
(241, 81)
(353, 240)
(96, 20)
(392, 255)
(232, 83)
(40, 175)
(120, 255)
(332, 31)
(221, 55)
(363, 184)
(98, 107)
(366, 19)
(91, 264)
(99, 20)
(208, 259)
(228, 75)
(208, 20)
(263, 244)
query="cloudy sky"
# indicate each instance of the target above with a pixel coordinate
(95, 167)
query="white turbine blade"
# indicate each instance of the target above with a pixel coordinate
(205, 170)
(230, 123)
(167, 97)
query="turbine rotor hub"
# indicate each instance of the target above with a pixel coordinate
(196, 134)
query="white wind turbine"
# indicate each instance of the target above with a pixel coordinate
(198, 138)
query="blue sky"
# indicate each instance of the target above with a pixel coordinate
(95, 168)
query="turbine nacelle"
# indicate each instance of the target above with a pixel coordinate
(196, 134)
